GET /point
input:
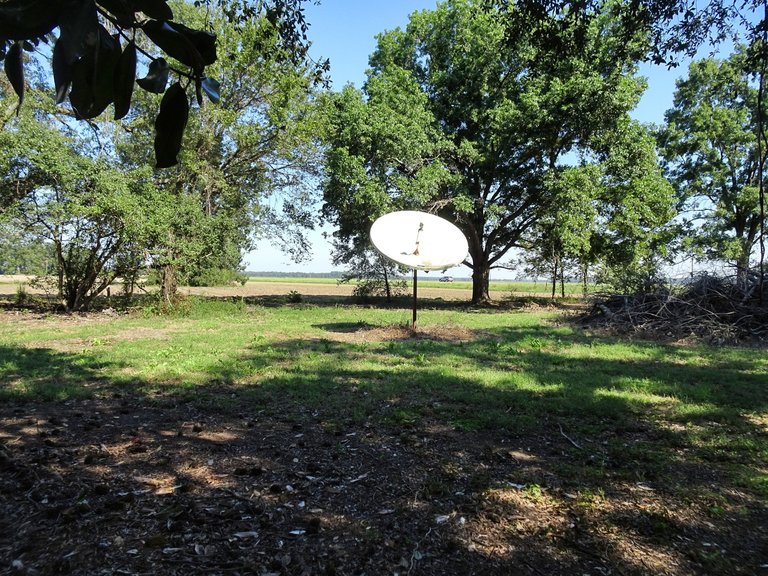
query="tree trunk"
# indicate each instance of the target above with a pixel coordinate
(554, 275)
(562, 281)
(169, 283)
(742, 269)
(481, 275)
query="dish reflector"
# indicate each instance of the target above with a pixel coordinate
(419, 240)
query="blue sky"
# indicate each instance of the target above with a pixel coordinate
(344, 31)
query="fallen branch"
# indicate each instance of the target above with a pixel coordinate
(568, 438)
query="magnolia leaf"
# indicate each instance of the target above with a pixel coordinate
(62, 71)
(122, 10)
(199, 91)
(14, 69)
(93, 76)
(157, 76)
(80, 30)
(174, 43)
(28, 19)
(204, 42)
(211, 88)
(157, 9)
(169, 125)
(125, 75)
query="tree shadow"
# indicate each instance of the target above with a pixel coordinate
(374, 457)
(46, 374)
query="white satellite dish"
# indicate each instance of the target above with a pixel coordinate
(419, 240)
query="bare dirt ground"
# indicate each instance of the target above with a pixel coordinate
(140, 486)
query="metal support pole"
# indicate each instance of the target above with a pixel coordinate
(414, 298)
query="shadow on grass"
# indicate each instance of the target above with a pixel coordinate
(45, 374)
(383, 438)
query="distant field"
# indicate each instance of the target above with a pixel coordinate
(498, 286)
(277, 286)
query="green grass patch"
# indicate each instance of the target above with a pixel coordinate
(640, 407)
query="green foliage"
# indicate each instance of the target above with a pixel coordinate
(458, 118)
(22, 252)
(22, 296)
(710, 142)
(87, 210)
(217, 277)
(294, 297)
(241, 158)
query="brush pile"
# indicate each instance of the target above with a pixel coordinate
(717, 309)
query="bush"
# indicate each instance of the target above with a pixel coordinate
(294, 297)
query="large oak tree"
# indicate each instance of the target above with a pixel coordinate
(455, 120)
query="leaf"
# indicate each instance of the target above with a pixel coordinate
(154, 9)
(80, 30)
(14, 69)
(199, 91)
(157, 76)
(62, 72)
(125, 75)
(169, 126)
(29, 19)
(211, 89)
(174, 43)
(93, 77)
(121, 9)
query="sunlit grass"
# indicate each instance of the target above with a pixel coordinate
(520, 372)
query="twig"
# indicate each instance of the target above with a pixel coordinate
(568, 438)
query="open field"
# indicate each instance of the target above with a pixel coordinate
(263, 286)
(233, 438)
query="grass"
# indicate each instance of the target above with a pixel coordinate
(642, 407)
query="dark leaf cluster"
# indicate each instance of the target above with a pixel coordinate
(95, 53)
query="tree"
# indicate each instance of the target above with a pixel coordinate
(710, 142)
(245, 162)
(567, 233)
(637, 205)
(91, 67)
(86, 209)
(374, 274)
(383, 155)
(671, 27)
(493, 121)
(22, 252)
(613, 213)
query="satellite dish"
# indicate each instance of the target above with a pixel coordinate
(419, 240)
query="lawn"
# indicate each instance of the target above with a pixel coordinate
(233, 437)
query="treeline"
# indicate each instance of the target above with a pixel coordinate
(512, 120)
(260, 274)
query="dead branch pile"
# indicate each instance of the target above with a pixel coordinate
(713, 308)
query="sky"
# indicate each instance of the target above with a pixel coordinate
(344, 31)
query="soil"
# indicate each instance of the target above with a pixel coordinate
(129, 486)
